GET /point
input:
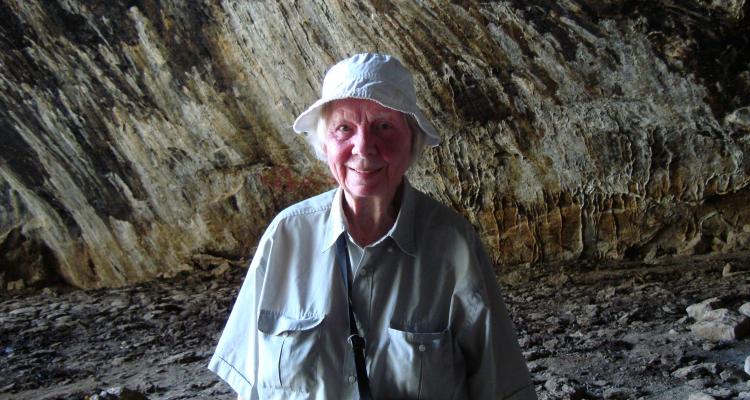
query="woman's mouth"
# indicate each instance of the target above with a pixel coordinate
(366, 171)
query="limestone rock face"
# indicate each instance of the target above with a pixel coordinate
(139, 135)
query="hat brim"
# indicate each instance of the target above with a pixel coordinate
(307, 121)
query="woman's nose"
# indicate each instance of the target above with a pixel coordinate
(363, 141)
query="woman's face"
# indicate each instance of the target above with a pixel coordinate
(368, 147)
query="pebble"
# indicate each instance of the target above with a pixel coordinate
(719, 392)
(563, 387)
(221, 269)
(727, 326)
(560, 279)
(118, 393)
(618, 394)
(747, 365)
(700, 396)
(717, 324)
(731, 374)
(16, 285)
(181, 358)
(535, 367)
(551, 344)
(699, 383)
(699, 311)
(25, 311)
(695, 371)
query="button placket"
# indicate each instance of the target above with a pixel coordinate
(362, 285)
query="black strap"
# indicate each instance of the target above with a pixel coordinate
(355, 340)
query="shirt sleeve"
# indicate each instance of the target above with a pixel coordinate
(496, 366)
(236, 357)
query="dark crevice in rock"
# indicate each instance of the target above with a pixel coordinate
(74, 27)
(545, 17)
(19, 155)
(27, 260)
(13, 35)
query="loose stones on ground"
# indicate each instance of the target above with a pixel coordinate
(615, 335)
(718, 324)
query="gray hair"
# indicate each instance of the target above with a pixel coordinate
(317, 139)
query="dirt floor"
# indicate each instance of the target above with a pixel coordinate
(605, 330)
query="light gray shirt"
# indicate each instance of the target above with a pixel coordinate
(425, 297)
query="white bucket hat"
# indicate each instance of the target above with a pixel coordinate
(377, 77)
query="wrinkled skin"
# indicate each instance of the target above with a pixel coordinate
(368, 149)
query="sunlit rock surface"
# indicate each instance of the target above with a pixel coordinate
(142, 138)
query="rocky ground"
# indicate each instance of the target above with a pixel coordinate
(589, 331)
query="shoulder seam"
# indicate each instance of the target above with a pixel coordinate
(301, 208)
(303, 211)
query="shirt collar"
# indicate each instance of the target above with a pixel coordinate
(336, 225)
(402, 231)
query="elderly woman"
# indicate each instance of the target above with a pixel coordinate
(371, 290)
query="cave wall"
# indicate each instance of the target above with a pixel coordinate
(143, 138)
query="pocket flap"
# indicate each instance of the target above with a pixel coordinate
(273, 323)
(426, 338)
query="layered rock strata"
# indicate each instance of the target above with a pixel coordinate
(139, 135)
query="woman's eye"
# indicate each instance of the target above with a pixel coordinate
(384, 126)
(343, 129)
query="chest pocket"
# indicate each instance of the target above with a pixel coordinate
(288, 355)
(421, 364)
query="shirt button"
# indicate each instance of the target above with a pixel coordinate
(363, 272)
(352, 378)
(390, 249)
(422, 347)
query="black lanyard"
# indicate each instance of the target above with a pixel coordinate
(354, 339)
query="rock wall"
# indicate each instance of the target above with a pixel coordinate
(142, 138)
